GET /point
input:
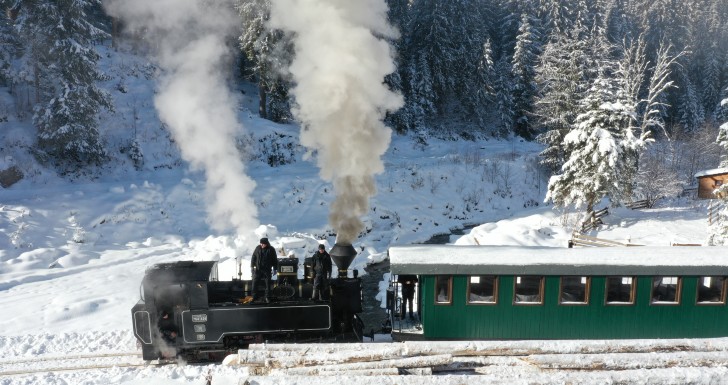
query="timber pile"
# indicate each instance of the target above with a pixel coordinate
(422, 359)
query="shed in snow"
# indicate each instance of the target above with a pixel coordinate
(709, 180)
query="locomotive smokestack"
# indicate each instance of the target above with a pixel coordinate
(342, 254)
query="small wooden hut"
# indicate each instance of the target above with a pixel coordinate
(709, 180)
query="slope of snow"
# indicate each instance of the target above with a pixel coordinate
(73, 253)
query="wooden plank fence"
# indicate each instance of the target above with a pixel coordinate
(578, 239)
(641, 204)
(594, 220)
(716, 205)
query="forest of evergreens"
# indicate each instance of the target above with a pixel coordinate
(640, 82)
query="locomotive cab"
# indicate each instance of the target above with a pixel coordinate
(167, 291)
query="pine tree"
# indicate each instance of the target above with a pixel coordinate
(600, 148)
(269, 51)
(432, 49)
(710, 81)
(504, 97)
(691, 115)
(525, 57)
(620, 23)
(562, 80)
(420, 102)
(398, 16)
(10, 45)
(484, 93)
(59, 40)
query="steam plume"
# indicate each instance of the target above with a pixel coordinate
(340, 63)
(193, 99)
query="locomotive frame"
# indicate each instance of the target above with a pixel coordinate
(212, 318)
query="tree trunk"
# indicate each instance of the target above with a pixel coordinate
(263, 96)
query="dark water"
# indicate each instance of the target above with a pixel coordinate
(441, 239)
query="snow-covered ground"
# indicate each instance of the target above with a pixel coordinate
(73, 253)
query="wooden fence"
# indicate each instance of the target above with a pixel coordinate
(641, 204)
(578, 239)
(594, 220)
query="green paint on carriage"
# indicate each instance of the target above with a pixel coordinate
(552, 320)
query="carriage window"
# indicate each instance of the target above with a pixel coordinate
(528, 290)
(574, 290)
(620, 290)
(443, 287)
(711, 290)
(482, 289)
(665, 290)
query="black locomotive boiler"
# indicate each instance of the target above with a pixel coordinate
(186, 311)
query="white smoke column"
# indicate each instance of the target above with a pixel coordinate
(193, 98)
(339, 68)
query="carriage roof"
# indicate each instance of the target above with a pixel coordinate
(529, 260)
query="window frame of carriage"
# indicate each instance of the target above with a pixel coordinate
(724, 288)
(632, 295)
(678, 291)
(468, 302)
(586, 294)
(541, 291)
(449, 290)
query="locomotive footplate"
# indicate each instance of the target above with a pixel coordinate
(205, 326)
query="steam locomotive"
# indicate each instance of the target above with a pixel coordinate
(185, 311)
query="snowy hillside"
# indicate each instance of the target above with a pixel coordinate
(73, 252)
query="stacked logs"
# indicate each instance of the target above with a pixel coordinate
(478, 357)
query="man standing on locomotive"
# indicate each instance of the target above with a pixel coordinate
(263, 261)
(321, 267)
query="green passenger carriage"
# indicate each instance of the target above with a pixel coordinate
(510, 292)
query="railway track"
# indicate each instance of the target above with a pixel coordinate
(77, 362)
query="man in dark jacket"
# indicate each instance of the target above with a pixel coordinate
(408, 293)
(263, 261)
(321, 267)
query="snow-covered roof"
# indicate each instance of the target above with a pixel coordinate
(514, 260)
(713, 171)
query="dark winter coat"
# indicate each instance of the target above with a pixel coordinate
(264, 260)
(407, 279)
(321, 264)
(408, 285)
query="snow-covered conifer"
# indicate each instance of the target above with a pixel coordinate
(504, 96)
(484, 85)
(59, 42)
(10, 45)
(562, 80)
(600, 147)
(525, 58)
(690, 109)
(269, 51)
